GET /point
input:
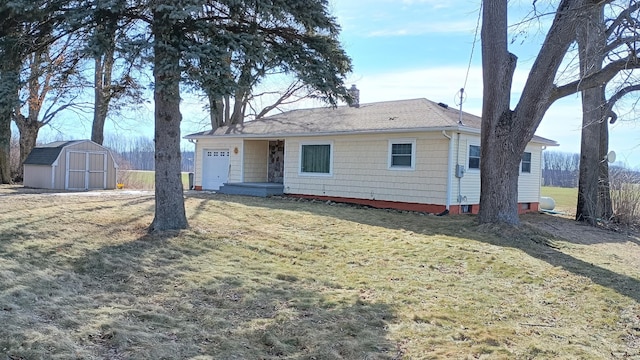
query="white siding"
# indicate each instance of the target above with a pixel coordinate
(256, 154)
(37, 176)
(361, 169)
(529, 183)
(468, 187)
(235, 159)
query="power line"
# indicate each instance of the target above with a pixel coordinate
(473, 46)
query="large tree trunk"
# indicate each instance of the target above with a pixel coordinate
(505, 133)
(99, 105)
(9, 87)
(216, 111)
(588, 209)
(499, 160)
(604, 189)
(170, 212)
(28, 129)
(591, 42)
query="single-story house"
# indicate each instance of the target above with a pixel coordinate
(409, 154)
(70, 165)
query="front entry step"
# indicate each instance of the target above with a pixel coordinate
(252, 189)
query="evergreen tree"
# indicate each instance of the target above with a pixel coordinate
(198, 38)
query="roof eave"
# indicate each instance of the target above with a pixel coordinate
(332, 133)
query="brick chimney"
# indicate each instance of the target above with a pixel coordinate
(354, 93)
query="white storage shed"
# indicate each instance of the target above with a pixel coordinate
(70, 165)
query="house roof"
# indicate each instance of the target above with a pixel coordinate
(381, 117)
(47, 154)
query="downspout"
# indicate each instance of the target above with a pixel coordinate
(459, 178)
(449, 169)
(195, 155)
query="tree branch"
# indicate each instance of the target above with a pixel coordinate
(617, 96)
(599, 78)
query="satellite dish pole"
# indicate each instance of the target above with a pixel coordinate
(458, 101)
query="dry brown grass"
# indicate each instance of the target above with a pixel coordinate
(283, 279)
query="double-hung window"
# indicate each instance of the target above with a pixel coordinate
(402, 154)
(474, 157)
(525, 166)
(315, 158)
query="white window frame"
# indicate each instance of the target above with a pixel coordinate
(469, 168)
(331, 152)
(390, 154)
(530, 162)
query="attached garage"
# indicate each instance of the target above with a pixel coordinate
(215, 168)
(70, 165)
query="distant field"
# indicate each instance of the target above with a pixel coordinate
(566, 198)
(144, 180)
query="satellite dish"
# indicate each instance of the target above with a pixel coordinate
(611, 157)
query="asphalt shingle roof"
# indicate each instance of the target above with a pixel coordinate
(48, 153)
(387, 116)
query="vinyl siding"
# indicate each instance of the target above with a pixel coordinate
(235, 160)
(256, 153)
(361, 169)
(37, 176)
(468, 187)
(529, 183)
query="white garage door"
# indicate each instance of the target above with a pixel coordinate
(215, 168)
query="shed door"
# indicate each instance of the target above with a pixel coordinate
(215, 168)
(86, 170)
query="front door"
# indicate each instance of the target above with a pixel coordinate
(215, 168)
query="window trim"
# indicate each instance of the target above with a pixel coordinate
(522, 162)
(304, 143)
(392, 142)
(469, 158)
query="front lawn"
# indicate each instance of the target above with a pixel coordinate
(284, 279)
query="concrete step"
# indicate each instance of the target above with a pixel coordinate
(252, 189)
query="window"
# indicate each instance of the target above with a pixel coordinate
(315, 158)
(402, 154)
(474, 157)
(526, 163)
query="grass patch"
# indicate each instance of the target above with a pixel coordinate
(566, 198)
(144, 180)
(283, 279)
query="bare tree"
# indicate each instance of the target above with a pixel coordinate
(53, 84)
(560, 169)
(597, 45)
(505, 132)
(114, 66)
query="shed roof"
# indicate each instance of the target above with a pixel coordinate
(380, 117)
(47, 154)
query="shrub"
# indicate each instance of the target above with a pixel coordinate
(625, 196)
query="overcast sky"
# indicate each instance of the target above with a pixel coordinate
(406, 49)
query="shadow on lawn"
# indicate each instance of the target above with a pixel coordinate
(531, 241)
(151, 299)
